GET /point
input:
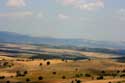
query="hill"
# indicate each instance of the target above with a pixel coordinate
(19, 38)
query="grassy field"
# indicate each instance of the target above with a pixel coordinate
(58, 71)
(22, 69)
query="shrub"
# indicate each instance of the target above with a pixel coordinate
(123, 71)
(27, 80)
(87, 75)
(40, 64)
(79, 75)
(100, 78)
(78, 81)
(48, 63)
(7, 81)
(63, 77)
(2, 77)
(122, 75)
(103, 72)
(54, 73)
(25, 72)
(40, 78)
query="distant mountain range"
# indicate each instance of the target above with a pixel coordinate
(11, 37)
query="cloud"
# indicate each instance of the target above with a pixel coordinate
(40, 15)
(16, 3)
(84, 4)
(121, 14)
(16, 14)
(62, 16)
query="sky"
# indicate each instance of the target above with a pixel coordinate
(84, 19)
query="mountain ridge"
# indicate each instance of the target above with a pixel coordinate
(13, 37)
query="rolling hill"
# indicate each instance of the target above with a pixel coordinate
(19, 38)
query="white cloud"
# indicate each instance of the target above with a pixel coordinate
(121, 14)
(40, 15)
(62, 16)
(84, 4)
(92, 5)
(16, 14)
(16, 3)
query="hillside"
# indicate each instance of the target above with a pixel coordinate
(19, 38)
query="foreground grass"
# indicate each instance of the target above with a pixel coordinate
(59, 71)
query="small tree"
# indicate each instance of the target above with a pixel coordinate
(54, 73)
(118, 71)
(48, 63)
(72, 81)
(25, 72)
(63, 77)
(78, 81)
(7, 81)
(100, 78)
(40, 64)
(76, 69)
(27, 80)
(103, 72)
(87, 75)
(123, 71)
(40, 78)
(2, 77)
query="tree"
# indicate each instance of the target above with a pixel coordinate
(25, 72)
(123, 71)
(76, 69)
(40, 64)
(2, 77)
(78, 81)
(48, 63)
(63, 77)
(118, 71)
(87, 75)
(72, 81)
(27, 80)
(18, 73)
(40, 78)
(103, 72)
(7, 81)
(100, 78)
(54, 73)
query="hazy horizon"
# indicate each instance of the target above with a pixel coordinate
(83, 19)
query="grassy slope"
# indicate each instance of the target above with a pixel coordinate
(61, 67)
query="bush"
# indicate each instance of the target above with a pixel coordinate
(2, 77)
(54, 73)
(25, 72)
(7, 81)
(40, 64)
(40, 78)
(123, 71)
(27, 80)
(79, 75)
(100, 78)
(103, 72)
(122, 75)
(48, 63)
(78, 81)
(63, 77)
(87, 75)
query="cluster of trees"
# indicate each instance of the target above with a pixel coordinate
(6, 64)
(21, 73)
(76, 81)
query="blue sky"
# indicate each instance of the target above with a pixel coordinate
(85, 19)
